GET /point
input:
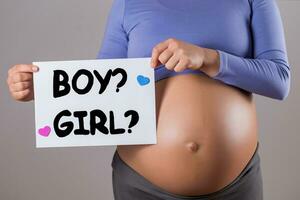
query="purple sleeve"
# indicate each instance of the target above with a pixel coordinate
(268, 72)
(114, 42)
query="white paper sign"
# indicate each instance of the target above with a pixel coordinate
(94, 102)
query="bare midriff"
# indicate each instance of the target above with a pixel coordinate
(206, 134)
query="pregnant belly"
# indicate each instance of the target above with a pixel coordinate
(206, 134)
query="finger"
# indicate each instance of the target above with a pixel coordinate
(156, 51)
(172, 62)
(165, 56)
(21, 95)
(21, 77)
(182, 65)
(23, 68)
(20, 86)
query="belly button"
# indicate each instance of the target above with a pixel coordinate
(193, 146)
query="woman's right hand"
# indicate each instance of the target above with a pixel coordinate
(20, 81)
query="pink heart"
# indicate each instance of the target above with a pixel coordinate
(45, 131)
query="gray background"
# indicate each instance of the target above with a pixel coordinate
(63, 30)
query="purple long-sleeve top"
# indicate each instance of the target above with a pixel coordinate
(248, 35)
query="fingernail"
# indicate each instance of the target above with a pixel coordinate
(35, 68)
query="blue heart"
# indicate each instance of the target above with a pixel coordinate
(142, 80)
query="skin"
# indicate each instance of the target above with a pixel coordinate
(178, 55)
(206, 130)
(20, 81)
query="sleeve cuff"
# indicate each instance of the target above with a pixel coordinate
(222, 66)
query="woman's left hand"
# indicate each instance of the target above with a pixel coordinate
(178, 55)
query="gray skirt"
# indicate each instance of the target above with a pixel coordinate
(130, 185)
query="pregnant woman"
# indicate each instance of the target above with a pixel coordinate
(209, 57)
